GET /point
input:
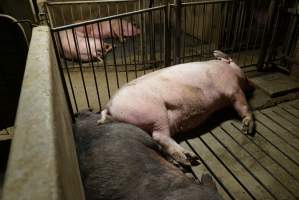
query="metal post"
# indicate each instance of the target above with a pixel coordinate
(178, 22)
(267, 37)
(167, 36)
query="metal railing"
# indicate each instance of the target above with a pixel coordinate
(252, 32)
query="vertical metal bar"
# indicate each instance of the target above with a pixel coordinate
(257, 33)
(249, 32)
(212, 32)
(242, 27)
(50, 15)
(274, 39)
(69, 104)
(67, 69)
(80, 65)
(193, 32)
(154, 41)
(203, 30)
(104, 61)
(94, 75)
(265, 41)
(134, 53)
(184, 35)
(178, 18)
(197, 32)
(143, 40)
(114, 58)
(124, 48)
(160, 36)
(167, 36)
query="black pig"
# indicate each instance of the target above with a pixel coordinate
(121, 161)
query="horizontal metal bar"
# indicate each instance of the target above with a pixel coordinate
(203, 3)
(69, 26)
(87, 2)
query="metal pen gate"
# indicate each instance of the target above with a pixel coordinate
(250, 31)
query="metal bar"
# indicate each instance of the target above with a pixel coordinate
(167, 36)
(49, 14)
(66, 94)
(242, 27)
(67, 68)
(266, 38)
(184, 35)
(203, 2)
(160, 36)
(92, 66)
(104, 61)
(87, 2)
(80, 65)
(212, 24)
(193, 33)
(249, 31)
(106, 18)
(124, 49)
(178, 18)
(114, 59)
(257, 34)
(133, 41)
(203, 30)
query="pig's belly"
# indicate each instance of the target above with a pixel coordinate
(184, 120)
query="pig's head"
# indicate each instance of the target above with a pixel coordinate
(245, 84)
(130, 29)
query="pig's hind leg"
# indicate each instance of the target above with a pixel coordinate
(240, 104)
(161, 134)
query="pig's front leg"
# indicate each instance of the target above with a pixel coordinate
(240, 104)
(161, 135)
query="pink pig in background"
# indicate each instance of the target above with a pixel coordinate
(89, 49)
(179, 98)
(101, 30)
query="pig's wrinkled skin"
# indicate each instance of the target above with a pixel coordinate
(180, 98)
(121, 161)
(86, 52)
(102, 30)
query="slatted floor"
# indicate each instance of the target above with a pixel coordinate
(265, 166)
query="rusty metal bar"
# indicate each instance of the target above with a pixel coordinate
(177, 39)
(267, 36)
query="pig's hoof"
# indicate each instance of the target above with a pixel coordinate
(181, 158)
(207, 180)
(248, 125)
(192, 157)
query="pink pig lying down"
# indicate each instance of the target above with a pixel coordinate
(179, 98)
(101, 30)
(96, 49)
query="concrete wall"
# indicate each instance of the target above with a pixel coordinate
(42, 162)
